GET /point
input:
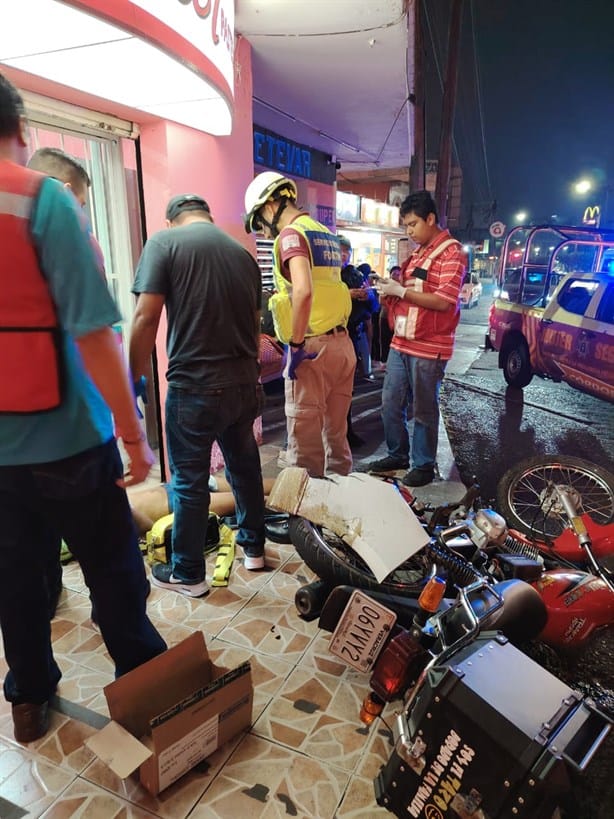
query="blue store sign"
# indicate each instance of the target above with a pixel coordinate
(280, 154)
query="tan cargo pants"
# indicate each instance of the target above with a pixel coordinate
(317, 404)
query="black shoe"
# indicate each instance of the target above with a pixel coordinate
(418, 477)
(163, 577)
(385, 465)
(355, 441)
(278, 531)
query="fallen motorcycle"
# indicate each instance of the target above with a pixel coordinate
(463, 686)
(579, 601)
(484, 731)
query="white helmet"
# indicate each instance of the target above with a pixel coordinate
(261, 189)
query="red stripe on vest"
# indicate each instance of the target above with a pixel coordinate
(29, 351)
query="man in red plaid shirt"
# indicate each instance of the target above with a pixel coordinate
(425, 308)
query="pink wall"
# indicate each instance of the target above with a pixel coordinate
(176, 159)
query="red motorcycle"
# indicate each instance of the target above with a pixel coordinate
(565, 558)
(565, 511)
(484, 731)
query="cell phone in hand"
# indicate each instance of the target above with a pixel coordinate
(420, 273)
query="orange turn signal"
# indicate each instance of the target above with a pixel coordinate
(432, 594)
(371, 708)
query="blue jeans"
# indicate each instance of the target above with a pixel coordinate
(77, 499)
(193, 422)
(411, 390)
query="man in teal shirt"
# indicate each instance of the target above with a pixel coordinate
(61, 474)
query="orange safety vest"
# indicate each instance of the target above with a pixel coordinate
(30, 353)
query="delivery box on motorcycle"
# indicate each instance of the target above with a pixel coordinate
(490, 735)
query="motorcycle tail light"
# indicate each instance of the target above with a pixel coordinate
(371, 708)
(391, 672)
(432, 595)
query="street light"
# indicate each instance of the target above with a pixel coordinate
(521, 216)
(583, 186)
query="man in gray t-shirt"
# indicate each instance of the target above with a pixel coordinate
(211, 288)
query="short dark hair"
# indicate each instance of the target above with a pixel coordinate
(60, 165)
(421, 203)
(11, 108)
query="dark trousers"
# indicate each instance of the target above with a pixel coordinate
(194, 420)
(76, 499)
(384, 335)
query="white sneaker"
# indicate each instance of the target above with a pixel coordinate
(254, 563)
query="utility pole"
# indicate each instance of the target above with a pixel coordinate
(447, 116)
(416, 172)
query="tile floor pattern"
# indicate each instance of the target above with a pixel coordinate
(306, 754)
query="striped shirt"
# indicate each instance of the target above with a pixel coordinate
(430, 333)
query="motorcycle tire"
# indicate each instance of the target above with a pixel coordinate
(338, 564)
(525, 502)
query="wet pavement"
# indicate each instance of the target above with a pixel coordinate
(492, 426)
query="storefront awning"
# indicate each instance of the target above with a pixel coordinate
(170, 58)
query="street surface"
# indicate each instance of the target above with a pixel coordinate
(490, 427)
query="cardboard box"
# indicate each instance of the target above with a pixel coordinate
(172, 712)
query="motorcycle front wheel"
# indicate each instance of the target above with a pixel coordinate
(338, 564)
(527, 501)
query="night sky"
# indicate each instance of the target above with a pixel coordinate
(546, 72)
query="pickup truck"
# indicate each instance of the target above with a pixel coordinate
(557, 324)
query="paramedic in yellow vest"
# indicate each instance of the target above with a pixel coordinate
(310, 310)
(424, 306)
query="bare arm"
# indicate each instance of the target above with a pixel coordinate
(144, 330)
(103, 361)
(429, 300)
(302, 295)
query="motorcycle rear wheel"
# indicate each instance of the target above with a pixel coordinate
(338, 564)
(527, 504)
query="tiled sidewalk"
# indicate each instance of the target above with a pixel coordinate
(306, 755)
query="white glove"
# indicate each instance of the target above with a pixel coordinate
(388, 287)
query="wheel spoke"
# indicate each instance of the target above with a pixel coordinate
(532, 500)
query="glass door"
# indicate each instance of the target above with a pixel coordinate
(114, 212)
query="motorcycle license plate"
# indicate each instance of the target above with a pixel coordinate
(362, 631)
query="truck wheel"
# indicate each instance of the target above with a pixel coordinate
(516, 363)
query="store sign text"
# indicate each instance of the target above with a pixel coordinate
(281, 154)
(326, 215)
(203, 10)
